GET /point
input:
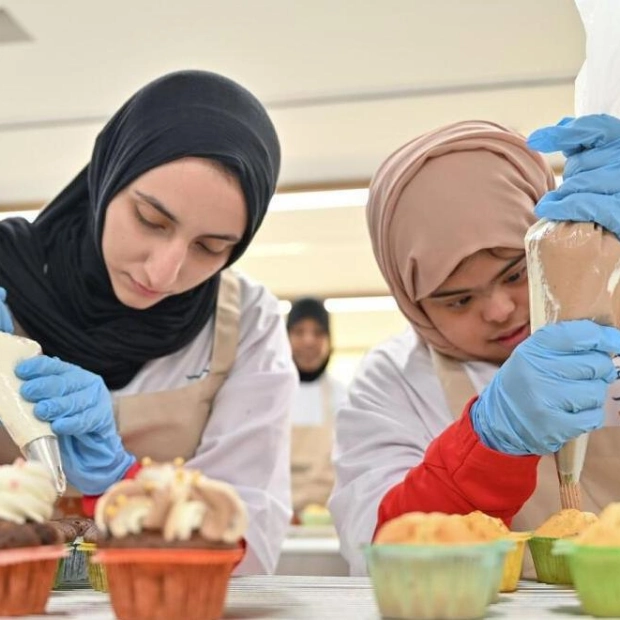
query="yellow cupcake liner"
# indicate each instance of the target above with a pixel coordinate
(550, 568)
(97, 576)
(595, 573)
(513, 564)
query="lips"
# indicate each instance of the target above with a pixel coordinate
(145, 290)
(516, 333)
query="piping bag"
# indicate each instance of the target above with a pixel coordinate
(573, 267)
(34, 438)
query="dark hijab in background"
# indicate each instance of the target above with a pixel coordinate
(53, 269)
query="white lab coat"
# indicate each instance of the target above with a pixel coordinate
(246, 441)
(309, 409)
(396, 407)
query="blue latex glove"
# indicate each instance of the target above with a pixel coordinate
(551, 389)
(79, 407)
(591, 188)
(6, 323)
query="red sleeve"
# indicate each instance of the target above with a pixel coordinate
(89, 501)
(459, 474)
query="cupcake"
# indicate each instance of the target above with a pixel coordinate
(96, 572)
(30, 546)
(73, 569)
(492, 528)
(169, 541)
(433, 565)
(551, 568)
(593, 557)
(315, 515)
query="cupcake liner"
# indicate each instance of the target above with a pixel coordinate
(72, 569)
(159, 584)
(595, 573)
(423, 582)
(513, 564)
(550, 568)
(96, 572)
(26, 577)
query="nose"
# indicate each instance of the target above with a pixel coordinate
(163, 266)
(498, 306)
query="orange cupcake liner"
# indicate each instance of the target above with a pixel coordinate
(26, 578)
(159, 584)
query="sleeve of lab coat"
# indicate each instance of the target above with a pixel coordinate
(247, 440)
(387, 463)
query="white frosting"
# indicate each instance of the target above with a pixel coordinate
(27, 492)
(16, 413)
(129, 516)
(183, 519)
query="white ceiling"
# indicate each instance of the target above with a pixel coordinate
(345, 81)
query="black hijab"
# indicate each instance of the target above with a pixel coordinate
(310, 308)
(53, 269)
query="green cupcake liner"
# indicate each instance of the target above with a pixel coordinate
(596, 575)
(550, 568)
(72, 570)
(423, 582)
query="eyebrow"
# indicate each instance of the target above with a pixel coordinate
(159, 206)
(464, 291)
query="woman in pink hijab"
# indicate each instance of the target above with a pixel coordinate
(455, 414)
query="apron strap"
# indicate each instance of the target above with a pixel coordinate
(457, 386)
(227, 329)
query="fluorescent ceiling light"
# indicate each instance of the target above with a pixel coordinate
(351, 304)
(268, 250)
(328, 199)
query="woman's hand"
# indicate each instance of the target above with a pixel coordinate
(6, 323)
(551, 389)
(79, 408)
(591, 188)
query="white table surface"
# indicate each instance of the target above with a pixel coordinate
(329, 598)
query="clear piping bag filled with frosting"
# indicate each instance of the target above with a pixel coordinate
(574, 267)
(34, 438)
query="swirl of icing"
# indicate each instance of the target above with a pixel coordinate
(176, 501)
(27, 492)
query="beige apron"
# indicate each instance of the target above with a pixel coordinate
(167, 424)
(600, 483)
(312, 473)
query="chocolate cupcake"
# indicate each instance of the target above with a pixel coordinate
(29, 549)
(170, 539)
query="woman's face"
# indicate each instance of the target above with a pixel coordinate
(171, 229)
(310, 344)
(483, 306)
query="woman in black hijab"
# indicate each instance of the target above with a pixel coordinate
(118, 280)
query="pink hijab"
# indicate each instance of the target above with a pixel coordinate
(442, 197)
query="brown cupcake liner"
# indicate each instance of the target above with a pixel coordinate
(159, 584)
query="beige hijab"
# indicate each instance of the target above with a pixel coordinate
(444, 196)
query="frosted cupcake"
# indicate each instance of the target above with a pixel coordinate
(169, 540)
(30, 546)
